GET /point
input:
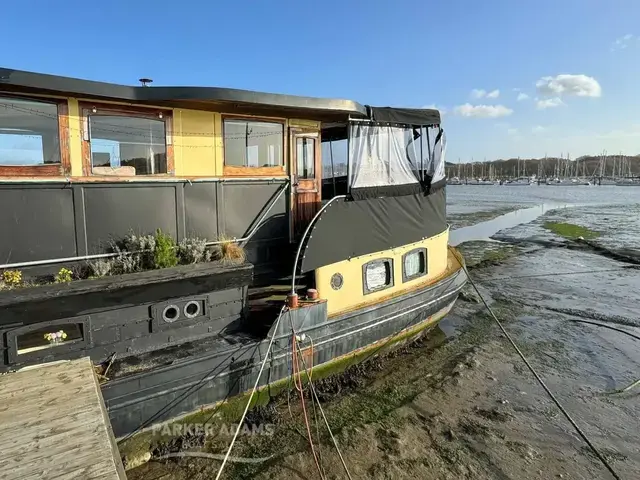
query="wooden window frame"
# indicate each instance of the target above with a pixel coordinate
(86, 110)
(45, 170)
(234, 171)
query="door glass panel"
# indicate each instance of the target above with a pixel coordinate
(306, 155)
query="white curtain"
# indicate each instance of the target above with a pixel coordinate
(378, 156)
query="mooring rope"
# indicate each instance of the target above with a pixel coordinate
(253, 391)
(535, 374)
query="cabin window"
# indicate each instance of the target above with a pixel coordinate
(306, 157)
(31, 136)
(253, 147)
(414, 264)
(378, 275)
(126, 142)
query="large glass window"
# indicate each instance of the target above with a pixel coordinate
(255, 144)
(29, 133)
(137, 143)
(378, 275)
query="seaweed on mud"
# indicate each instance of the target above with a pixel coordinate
(570, 230)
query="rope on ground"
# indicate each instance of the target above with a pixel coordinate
(297, 379)
(559, 274)
(253, 391)
(540, 381)
(631, 385)
(605, 326)
(324, 417)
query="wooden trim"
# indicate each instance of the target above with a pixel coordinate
(231, 171)
(54, 169)
(86, 110)
(64, 136)
(240, 116)
(235, 171)
(62, 168)
(147, 112)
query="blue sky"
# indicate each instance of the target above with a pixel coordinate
(380, 52)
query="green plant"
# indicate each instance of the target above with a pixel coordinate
(164, 253)
(12, 278)
(64, 275)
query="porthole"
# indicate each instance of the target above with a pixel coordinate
(336, 281)
(170, 313)
(192, 309)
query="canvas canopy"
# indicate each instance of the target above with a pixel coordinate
(392, 159)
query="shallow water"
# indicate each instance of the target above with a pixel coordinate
(465, 199)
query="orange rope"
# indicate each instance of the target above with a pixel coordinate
(298, 383)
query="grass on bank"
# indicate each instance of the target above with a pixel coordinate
(570, 230)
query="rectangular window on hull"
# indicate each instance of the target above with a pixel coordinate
(253, 144)
(29, 133)
(414, 264)
(49, 337)
(377, 275)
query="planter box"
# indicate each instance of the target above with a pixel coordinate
(123, 314)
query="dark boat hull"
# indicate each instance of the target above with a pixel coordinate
(222, 369)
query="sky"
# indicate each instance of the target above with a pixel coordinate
(512, 77)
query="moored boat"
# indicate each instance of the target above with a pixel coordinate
(362, 261)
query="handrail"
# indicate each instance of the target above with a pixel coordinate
(259, 222)
(304, 235)
(111, 255)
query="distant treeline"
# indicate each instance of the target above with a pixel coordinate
(588, 165)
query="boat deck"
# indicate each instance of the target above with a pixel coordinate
(53, 424)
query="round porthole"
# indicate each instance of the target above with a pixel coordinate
(192, 309)
(336, 281)
(170, 313)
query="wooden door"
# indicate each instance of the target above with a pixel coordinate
(307, 177)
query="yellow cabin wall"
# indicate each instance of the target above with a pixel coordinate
(195, 145)
(75, 137)
(351, 295)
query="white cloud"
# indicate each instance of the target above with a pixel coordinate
(542, 104)
(442, 110)
(538, 129)
(493, 94)
(569, 85)
(512, 131)
(622, 42)
(482, 111)
(522, 96)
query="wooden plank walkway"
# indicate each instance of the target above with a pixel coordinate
(53, 424)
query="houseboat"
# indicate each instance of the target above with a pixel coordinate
(337, 210)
